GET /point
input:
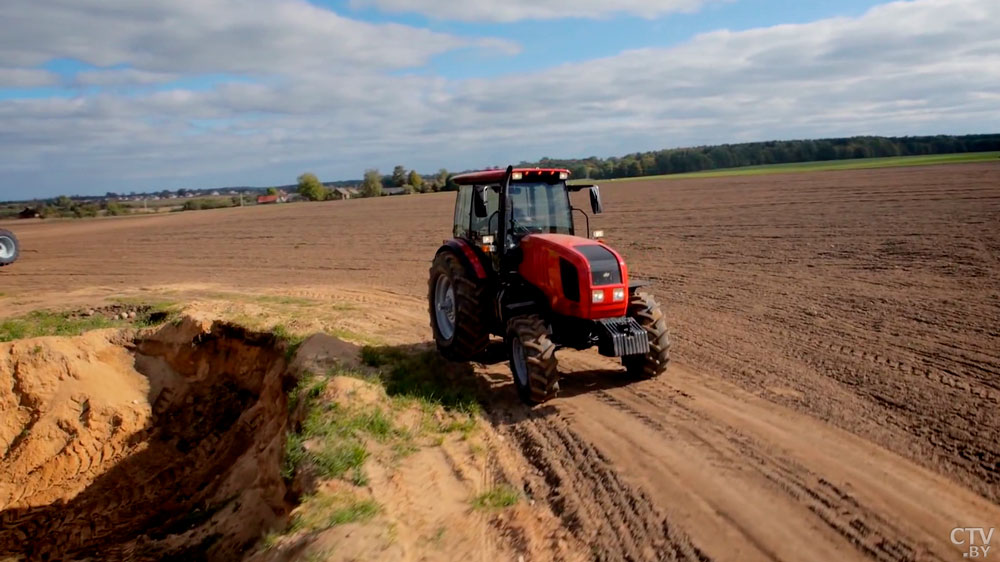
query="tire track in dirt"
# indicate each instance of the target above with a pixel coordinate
(581, 486)
(872, 534)
(762, 489)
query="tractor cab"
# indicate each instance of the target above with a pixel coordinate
(534, 201)
(518, 268)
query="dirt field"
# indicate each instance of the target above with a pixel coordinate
(835, 389)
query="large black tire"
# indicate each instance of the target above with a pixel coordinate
(532, 359)
(10, 249)
(644, 308)
(470, 313)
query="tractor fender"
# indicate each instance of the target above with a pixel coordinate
(472, 258)
(636, 284)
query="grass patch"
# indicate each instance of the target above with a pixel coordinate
(141, 301)
(496, 498)
(420, 376)
(438, 536)
(292, 340)
(350, 335)
(826, 165)
(333, 460)
(283, 300)
(158, 313)
(45, 323)
(323, 511)
(308, 388)
(269, 541)
(67, 323)
(331, 438)
(331, 449)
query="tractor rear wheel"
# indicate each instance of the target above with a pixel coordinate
(644, 308)
(532, 359)
(459, 316)
(9, 248)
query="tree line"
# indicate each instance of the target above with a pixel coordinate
(659, 162)
(696, 159)
(373, 185)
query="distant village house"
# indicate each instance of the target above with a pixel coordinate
(280, 197)
(345, 192)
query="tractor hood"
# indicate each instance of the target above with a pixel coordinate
(581, 277)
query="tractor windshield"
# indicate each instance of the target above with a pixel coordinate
(539, 208)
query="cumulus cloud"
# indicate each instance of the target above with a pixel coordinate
(26, 78)
(210, 36)
(515, 10)
(123, 77)
(903, 68)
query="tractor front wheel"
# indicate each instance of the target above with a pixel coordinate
(9, 248)
(532, 359)
(644, 308)
(458, 309)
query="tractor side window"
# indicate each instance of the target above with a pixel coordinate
(463, 210)
(488, 225)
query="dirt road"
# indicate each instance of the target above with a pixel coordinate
(835, 392)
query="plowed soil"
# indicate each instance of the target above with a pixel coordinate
(835, 390)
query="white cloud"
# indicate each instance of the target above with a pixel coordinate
(210, 36)
(26, 78)
(516, 10)
(123, 77)
(904, 68)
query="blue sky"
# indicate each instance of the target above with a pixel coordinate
(114, 95)
(547, 43)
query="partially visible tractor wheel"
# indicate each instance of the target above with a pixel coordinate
(644, 308)
(9, 248)
(459, 316)
(532, 359)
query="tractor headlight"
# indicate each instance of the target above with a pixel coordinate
(597, 296)
(618, 295)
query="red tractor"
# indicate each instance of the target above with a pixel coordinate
(517, 269)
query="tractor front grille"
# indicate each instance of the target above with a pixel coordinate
(618, 337)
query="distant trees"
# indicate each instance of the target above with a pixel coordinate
(416, 181)
(64, 206)
(371, 186)
(114, 209)
(398, 176)
(311, 188)
(681, 160)
(274, 190)
(442, 179)
(206, 203)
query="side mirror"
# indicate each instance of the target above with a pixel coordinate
(479, 201)
(595, 200)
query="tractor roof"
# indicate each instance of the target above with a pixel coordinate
(493, 176)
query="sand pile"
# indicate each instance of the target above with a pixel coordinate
(165, 446)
